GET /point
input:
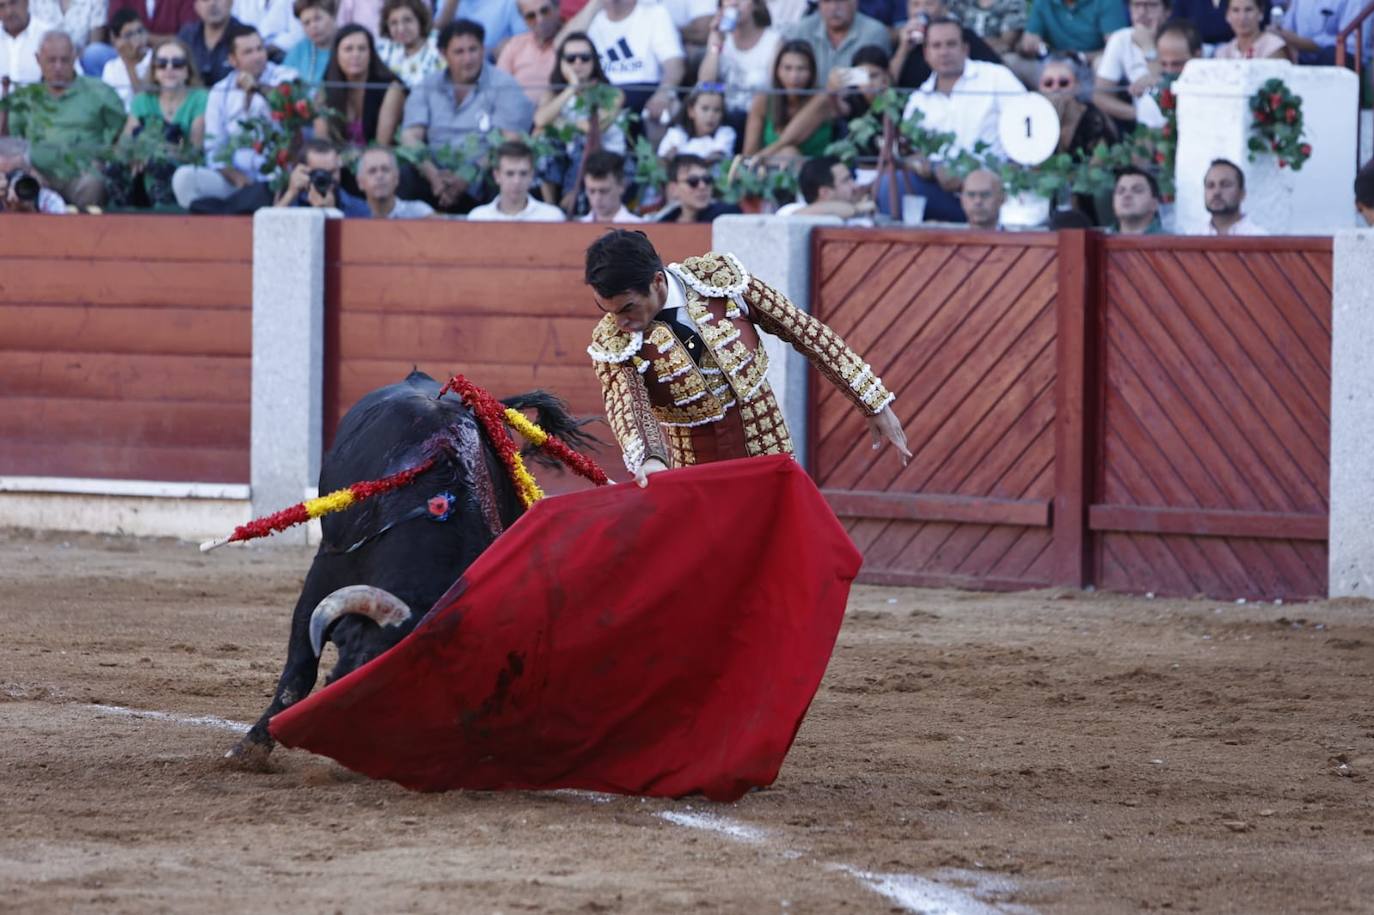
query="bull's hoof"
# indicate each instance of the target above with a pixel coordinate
(250, 755)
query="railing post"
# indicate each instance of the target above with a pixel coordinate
(1075, 319)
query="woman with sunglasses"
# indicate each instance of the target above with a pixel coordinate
(365, 97)
(127, 74)
(1082, 125)
(405, 43)
(174, 112)
(577, 67)
(792, 121)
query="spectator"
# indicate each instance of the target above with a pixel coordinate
(981, 199)
(604, 183)
(208, 39)
(891, 13)
(366, 99)
(310, 56)
(531, 55)
(275, 21)
(909, 67)
(1071, 26)
(1135, 203)
(464, 98)
(499, 19)
(315, 182)
(790, 122)
(1364, 192)
(699, 129)
(835, 31)
(85, 119)
(128, 73)
(1081, 125)
(693, 20)
(20, 35)
(998, 22)
(231, 101)
(1177, 43)
(1208, 17)
(378, 177)
(24, 196)
(1310, 28)
(1224, 190)
(578, 69)
(514, 173)
(828, 189)
(642, 54)
(84, 22)
(1126, 61)
(1250, 22)
(163, 19)
(691, 188)
(853, 101)
(175, 111)
(405, 43)
(961, 96)
(742, 57)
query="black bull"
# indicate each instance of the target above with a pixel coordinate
(391, 555)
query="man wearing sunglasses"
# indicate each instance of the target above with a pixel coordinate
(529, 56)
(692, 190)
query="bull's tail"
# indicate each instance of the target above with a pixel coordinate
(553, 417)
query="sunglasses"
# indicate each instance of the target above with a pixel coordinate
(577, 57)
(169, 63)
(695, 181)
(536, 14)
(1062, 83)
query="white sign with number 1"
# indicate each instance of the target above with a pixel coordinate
(1028, 128)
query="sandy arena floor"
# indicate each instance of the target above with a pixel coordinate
(967, 753)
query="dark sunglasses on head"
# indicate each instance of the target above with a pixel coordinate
(1063, 83)
(577, 57)
(696, 180)
(535, 14)
(169, 63)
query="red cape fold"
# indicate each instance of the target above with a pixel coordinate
(662, 641)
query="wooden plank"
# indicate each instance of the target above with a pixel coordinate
(1151, 519)
(943, 580)
(462, 293)
(125, 462)
(183, 331)
(442, 339)
(149, 284)
(827, 234)
(76, 423)
(126, 376)
(1075, 309)
(118, 237)
(937, 507)
(1243, 244)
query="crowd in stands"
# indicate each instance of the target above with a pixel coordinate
(601, 110)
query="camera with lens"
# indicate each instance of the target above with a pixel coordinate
(24, 186)
(322, 180)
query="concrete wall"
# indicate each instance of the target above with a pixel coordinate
(1351, 547)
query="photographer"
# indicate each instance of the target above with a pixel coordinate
(21, 190)
(314, 182)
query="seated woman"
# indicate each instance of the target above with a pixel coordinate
(576, 68)
(790, 123)
(175, 112)
(1082, 125)
(405, 43)
(1250, 21)
(365, 98)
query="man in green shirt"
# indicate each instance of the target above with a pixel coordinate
(1071, 25)
(77, 119)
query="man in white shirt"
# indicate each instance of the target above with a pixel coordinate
(641, 53)
(238, 96)
(962, 96)
(1223, 188)
(20, 35)
(514, 172)
(604, 182)
(378, 178)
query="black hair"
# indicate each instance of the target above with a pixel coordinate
(235, 32)
(621, 261)
(556, 79)
(511, 149)
(777, 107)
(872, 55)
(678, 163)
(1364, 185)
(378, 75)
(121, 18)
(816, 174)
(1136, 170)
(1266, 12)
(1240, 175)
(684, 116)
(1187, 30)
(315, 145)
(460, 27)
(605, 164)
(948, 20)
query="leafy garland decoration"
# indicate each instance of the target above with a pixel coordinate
(1277, 127)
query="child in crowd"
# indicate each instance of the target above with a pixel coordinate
(699, 130)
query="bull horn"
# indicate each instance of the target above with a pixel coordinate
(382, 607)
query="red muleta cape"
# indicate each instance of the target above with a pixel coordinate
(662, 641)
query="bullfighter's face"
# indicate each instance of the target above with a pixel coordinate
(634, 310)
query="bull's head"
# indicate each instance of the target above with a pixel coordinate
(362, 641)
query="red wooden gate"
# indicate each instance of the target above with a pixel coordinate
(1141, 414)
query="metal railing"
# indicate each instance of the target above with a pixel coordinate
(1356, 28)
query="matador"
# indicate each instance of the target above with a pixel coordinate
(681, 365)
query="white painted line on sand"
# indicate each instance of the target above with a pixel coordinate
(932, 897)
(209, 721)
(714, 823)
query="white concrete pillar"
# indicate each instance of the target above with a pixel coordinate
(1351, 546)
(288, 358)
(778, 251)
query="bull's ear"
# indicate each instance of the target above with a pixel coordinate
(382, 607)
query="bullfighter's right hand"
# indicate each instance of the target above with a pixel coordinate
(652, 465)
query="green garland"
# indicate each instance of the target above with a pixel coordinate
(1277, 127)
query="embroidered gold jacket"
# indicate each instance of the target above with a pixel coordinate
(661, 403)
